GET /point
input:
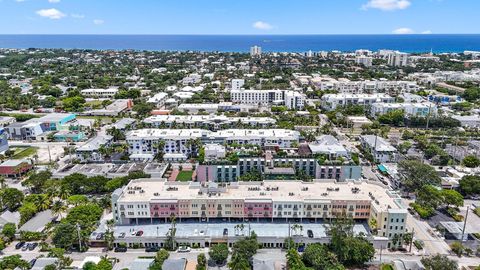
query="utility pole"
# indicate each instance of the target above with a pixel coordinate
(465, 223)
(79, 238)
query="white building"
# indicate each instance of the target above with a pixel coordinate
(397, 59)
(328, 145)
(346, 86)
(364, 60)
(192, 79)
(381, 150)
(99, 93)
(214, 151)
(90, 151)
(237, 84)
(291, 99)
(146, 141)
(410, 109)
(255, 51)
(210, 121)
(332, 101)
(158, 99)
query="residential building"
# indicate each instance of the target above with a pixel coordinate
(211, 121)
(381, 150)
(410, 109)
(15, 168)
(333, 101)
(3, 140)
(69, 136)
(468, 121)
(364, 60)
(145, 201)
(288, 98)
(397, 59)
(31, 129)
(237, 84)
(7, 120)
(329, 146)
(255, 51)
(91, 150)
(158, 99)
(99, 93)
(117, 107)
(187, 141)
(214, 151)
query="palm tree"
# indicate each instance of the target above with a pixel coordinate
(2, 182)
(63, 193)
(58, 208)
(44, 202)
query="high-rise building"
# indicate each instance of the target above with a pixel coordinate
(255, 51)
(397, 59)
(364, 60)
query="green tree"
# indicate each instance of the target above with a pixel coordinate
(11, 198)
(452, 197)
(201, 262)
(37, 181)
(65, 236)
(294, 261)
(319, 257)
(439, 262)
(160, 257)
(417, 174)
(218, 253)
(470, 185)
(12, 262)
(471, 161)
(9, 230)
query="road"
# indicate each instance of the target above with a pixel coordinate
(432, 244)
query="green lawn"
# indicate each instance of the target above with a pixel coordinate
(24, 152)
(184, 176)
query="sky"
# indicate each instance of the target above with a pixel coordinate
(239, 17)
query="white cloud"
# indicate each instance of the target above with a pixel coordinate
(77, 16)
(427, 32)
(54, 1)
(98, 21)
(403, 31)
(262, 25)
(387, 5)
(51, 13)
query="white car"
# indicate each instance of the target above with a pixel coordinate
(183, 249)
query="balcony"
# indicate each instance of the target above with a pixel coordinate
(203, 207)
(309, 207)
(266, 208)
(219, 207)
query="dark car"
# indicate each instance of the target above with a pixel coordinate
(19, 245)
(120, 249)
(310, 233)
(32, 262)
(32, 246)
(225, 232)
(99, 236)
(139, 233)
(152, 249)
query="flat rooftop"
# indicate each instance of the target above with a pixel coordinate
(276, 191)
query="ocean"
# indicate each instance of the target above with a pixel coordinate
(242, 43)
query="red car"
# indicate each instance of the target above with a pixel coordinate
(139, 233)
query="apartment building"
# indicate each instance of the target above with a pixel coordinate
(397, 59)
(237, 84)
(146, 141)
(410, 109)
(152, 201)
(99, 93)
(211, 122)
(158, 99)
(367, 61)
(255, 51)
(291, 99)
(345, 86)
(33, 128)
(332, 101)
(380, 149)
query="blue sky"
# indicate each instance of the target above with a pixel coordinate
(238, 16)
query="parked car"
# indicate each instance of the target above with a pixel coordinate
(121, 235)
(32, 246)
(99, 236)
(310, 233)
(120, 249)
(133, 233)
(152, 249)
(32, 262)
(183, 249)
(25, 246)
(19, 245)
(225, 232)
(139, 233)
